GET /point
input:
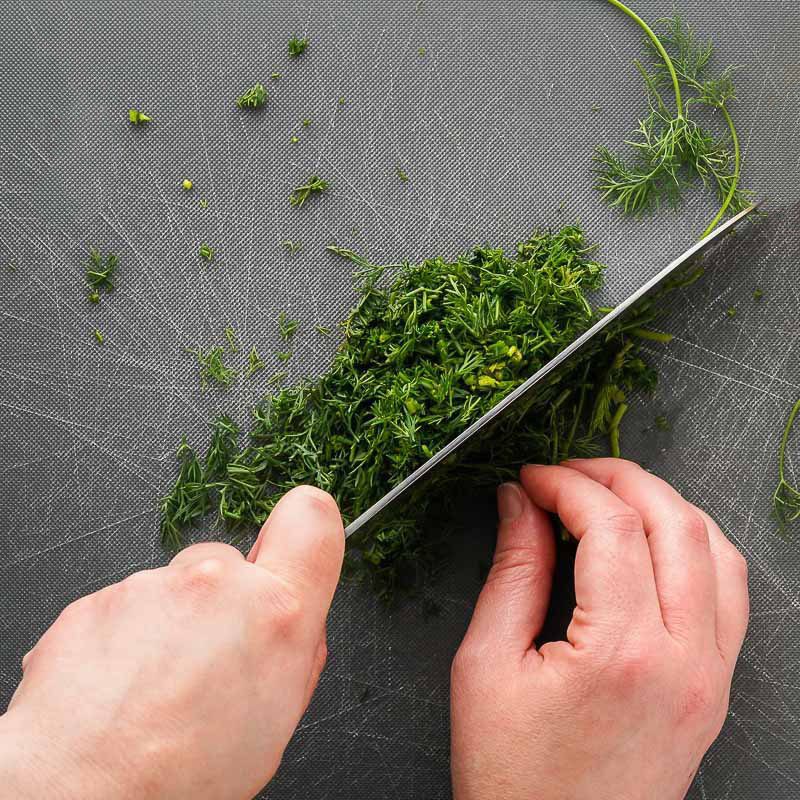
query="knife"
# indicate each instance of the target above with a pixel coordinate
(629, 306)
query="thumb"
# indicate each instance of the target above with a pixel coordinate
(513, 604)
(302, 544)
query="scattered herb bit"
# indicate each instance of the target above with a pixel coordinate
(212, 367)
(731, 311)
(254, 362)
(188, 502)
(596, 107)
(401, 174)
(322, 330)
(287, 327)
(758, 294)
(206, 252)
(306, 122)
(422, 359)
(254, 97)
(786, 498)
(278, 377)
(187, 185)
(138, 117)
(292, 246)
(313, 185)
(203, 202)
(100, 273)
(295, 139)
(341, 101)
(285, 356)
(653, 336)
(230, 335)
(422, 51)
(275, 76)
(11, 266)
(297, 46)
(671, 151)
(99, 336)
(662, 423)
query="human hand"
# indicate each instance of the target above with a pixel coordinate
(180, 682)
(628, 705)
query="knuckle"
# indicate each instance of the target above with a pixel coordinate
(201, 578)
(285, 609)
(313, 495)
(624, 523)
(635, 667)
(467, 665)
(693, 527)
(517, 566)
(698, 700)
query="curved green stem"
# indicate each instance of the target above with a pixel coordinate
(659, 47)
(737, 159)
(785, 440)
(613, 429)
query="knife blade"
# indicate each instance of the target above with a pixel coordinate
(627, 306)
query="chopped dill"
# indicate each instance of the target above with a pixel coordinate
(662, 423)
(295, 139)
(203, 203)
(187, 185)
(284, 356)
(758, 294)
(138, 117)
(731, 311)
(341, 101)
(254, 362)
(230, 335)
(306, 123)
(314, 185)
(99, 336)
(278, 377)
(254, 97)
(786, 497)
(275, 76)
(212, 367)
(206, 252)
(291, 246)
(422, 51)
(287, 327)
(423, 358)
(297, 46)
(100, 273)
(401, 173)
(322, 330)
(671, 152)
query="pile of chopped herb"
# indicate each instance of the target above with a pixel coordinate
(422, 359)
(100, 273)
(254, 97)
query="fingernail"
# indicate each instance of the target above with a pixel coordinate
(509, 502)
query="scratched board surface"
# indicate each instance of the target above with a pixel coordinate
(492, 110)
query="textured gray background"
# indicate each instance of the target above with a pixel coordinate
(495, 126)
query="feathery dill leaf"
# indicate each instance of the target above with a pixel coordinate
(254, 97)
(100, 273)
(422, 359)
(786, 497)
(314, 185)
(212, 366)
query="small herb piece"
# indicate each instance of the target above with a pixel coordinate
(278, 377)
(254, 97)
(203, 203)
(100, 273)
(313, 185)
(295, 139)
(188, 501)
(284, 356)
(187, 185)
(731, 311)
(306, 122)
(422, 51)
(341, 101)
(138, 117)
(287, 327)
(292, 246)
(99, 336)
(212, 367)
(662, 423)
(275, 76)
(758, 294)
(671, 151)
(401, 174)
(11, 266)
(206, 252)
(596, 107)
(254, 362)
(786, 497)
(230, 335)
(322, 330)
(297, 46)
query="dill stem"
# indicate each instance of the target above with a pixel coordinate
(613, 429)
(785, 441)
(737, 158)
(661, 51)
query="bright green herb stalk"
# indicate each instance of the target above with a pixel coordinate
(212, 367)
(99, 336)
(297, 46)
(287, 327)
(254, 97)
(187, 185)
(421, 360)
(291, 246)
(230, 335)
(313, 185)
(100, 273)
(671, 151)
(138, 117)
(254, 362)
(786, 498)
(206, 252)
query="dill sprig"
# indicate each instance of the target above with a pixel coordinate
(136, 117)
(254, 97)
(206, 252)
(212, 367)
(188, 501)
(423, 358)
(287, 327)
(100, 273)
(672, 152)
(786, 497)
(254, 362)
(292, 247)
(297, 46)
(314, 185)
(230, 335)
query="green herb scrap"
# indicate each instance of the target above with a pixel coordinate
(100, 273)
(254, 362)
(297, 46)
(138, 117)
(291, 246)
(421, 360)
(230, 335)
(670, 151)
(206, 252)
(287, 327)
(254, 97)
(212, 367)
(313, 185)
(786, 497)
